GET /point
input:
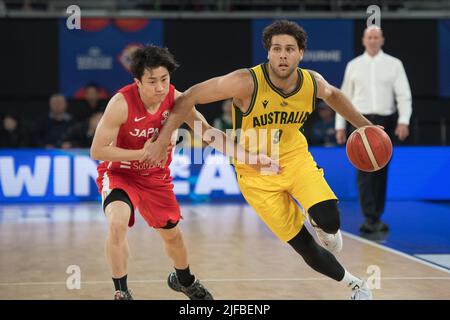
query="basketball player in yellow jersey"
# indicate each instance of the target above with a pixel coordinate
(272, 101)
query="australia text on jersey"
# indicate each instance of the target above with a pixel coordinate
(280, 117)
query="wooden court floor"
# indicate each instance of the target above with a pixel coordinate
(231, 251)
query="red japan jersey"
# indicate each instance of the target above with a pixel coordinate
(140, 126)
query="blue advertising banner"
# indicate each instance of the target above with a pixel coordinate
(100, 52)
(415, 173)
(30, 176)
(444, 58)
(47, 176)
(329, 48)
(69, 176)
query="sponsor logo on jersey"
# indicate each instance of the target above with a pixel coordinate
(136, 119)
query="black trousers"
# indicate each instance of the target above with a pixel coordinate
(372, 185)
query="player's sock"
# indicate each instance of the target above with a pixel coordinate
(351, 281)
(185, 277)
(121, 283)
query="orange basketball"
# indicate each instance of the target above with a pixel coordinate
(369, 148)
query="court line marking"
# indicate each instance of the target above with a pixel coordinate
(213, 280)
(402, 254)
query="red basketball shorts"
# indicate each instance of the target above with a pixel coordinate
(152, 195)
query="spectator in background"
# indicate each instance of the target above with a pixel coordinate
(323, 133)
(377, 85)
(91, 104)
(55, 125)
(225, 121)
(80, 135)
(12, 134)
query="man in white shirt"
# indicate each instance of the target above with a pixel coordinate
(377, 85)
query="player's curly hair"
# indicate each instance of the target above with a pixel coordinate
(284, 27)
(151, 57)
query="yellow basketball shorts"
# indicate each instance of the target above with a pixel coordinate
(273, 196)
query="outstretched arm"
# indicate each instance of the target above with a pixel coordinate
(234, 84)
(337, 100)
(225, 144)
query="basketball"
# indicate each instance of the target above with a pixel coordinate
(369, 148)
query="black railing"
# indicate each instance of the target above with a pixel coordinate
(228, 5)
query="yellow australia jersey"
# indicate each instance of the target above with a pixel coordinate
(273, 121)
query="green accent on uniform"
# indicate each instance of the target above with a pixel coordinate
(255, 92)
(315, 90)
(237, 123)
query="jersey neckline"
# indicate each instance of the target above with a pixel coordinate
(277, 90)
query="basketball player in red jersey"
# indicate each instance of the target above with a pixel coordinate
(133, 117)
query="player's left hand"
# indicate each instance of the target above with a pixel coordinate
(264, 164)
(155, 153)
(402, 131)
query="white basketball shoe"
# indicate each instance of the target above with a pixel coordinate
(331, 242)
(361, 292)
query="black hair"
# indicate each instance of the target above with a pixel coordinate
(280, 27)
(151, 57)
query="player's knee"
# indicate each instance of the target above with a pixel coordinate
(174, 239)
(118, 227)
(326, 215)
(117, 231)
